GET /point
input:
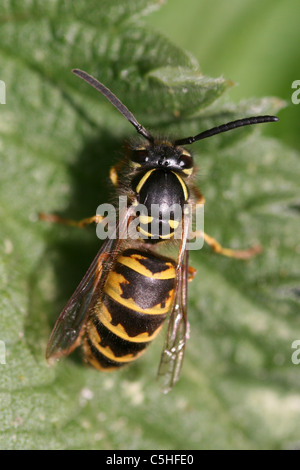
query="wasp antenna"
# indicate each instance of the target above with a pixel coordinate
(227, 127)
(114, 101)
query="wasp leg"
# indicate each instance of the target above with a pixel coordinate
(216, 246)
(53, 218)
(192, 273)
(240, 254)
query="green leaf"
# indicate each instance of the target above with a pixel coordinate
(58, 138)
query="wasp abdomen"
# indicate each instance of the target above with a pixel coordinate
(137, 297)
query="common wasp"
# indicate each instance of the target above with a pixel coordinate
(131, 286)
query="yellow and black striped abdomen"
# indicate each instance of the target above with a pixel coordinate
(137, 297)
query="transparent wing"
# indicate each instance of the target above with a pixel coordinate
(67, 331)
(175, 341)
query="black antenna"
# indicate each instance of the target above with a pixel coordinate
(227, 127)
(114, 101)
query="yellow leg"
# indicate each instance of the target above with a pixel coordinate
(192, 273)
(215, 245)
(73, 223)
(240, 254)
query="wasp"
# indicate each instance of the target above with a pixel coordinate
(131, 287)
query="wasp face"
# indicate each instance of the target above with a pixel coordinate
(162, 156)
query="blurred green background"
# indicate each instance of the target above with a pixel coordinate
(255, 43)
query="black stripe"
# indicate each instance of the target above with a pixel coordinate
(134, 323)
(103, 361)
(119, 346)
(145, 291)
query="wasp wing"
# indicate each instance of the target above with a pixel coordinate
(177, 332)
(68, 329)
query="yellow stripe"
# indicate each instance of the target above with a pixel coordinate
(118, 330)
(185, 192)
(165, 237)
(106, 351)
(143, 180)
(145, 219)
(149, 235)
(133, 263)
(90, 358)
(173, 224)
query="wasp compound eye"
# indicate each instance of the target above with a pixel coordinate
(185, 161)
(140, 156)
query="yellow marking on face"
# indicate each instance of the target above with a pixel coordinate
(185, 152)
(143, 180)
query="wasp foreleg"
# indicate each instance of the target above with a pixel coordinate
(239, 254)
(53, 218)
